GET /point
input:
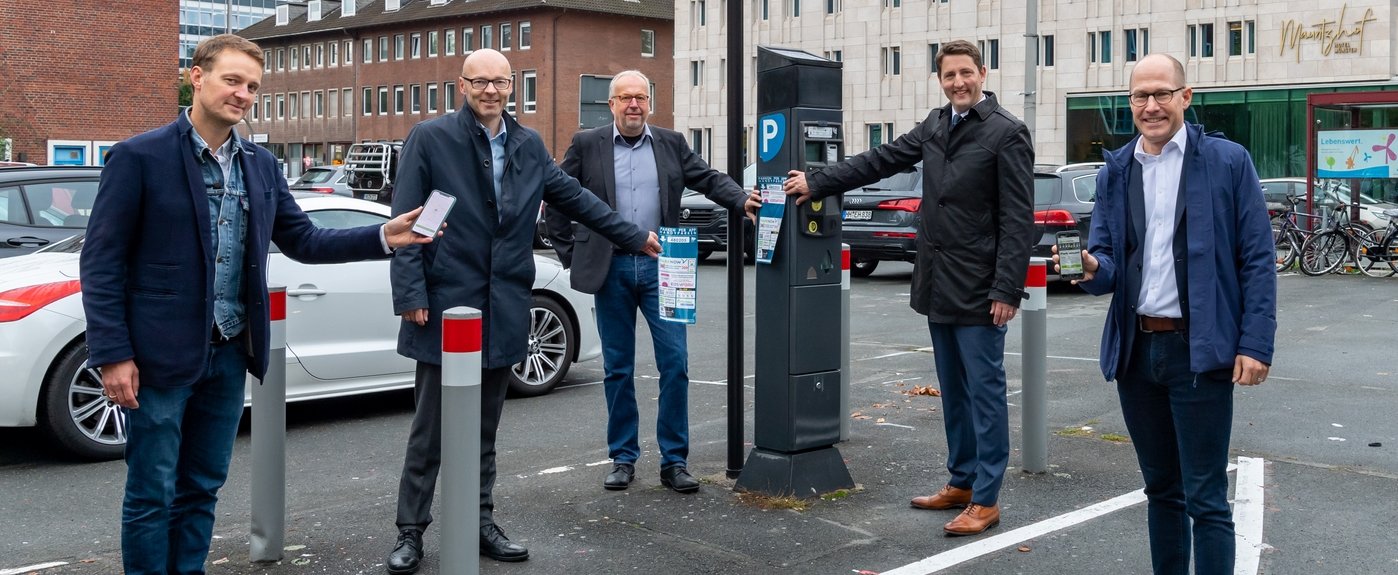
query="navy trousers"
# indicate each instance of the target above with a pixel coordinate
(971, 372)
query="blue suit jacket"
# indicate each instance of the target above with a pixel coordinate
(1230, 296)
(148, 260)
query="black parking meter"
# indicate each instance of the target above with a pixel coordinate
(797, 395)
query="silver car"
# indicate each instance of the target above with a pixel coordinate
(324, 180)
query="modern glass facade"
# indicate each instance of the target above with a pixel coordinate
(1270, 123)
(203, 19)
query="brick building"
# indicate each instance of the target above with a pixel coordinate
(76, 77)
(338, 74)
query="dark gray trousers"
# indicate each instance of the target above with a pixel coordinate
(424, 457)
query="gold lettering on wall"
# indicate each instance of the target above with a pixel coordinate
(1333, 36)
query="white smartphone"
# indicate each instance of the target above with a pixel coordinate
(434, 213)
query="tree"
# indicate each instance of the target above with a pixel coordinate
(186, 93)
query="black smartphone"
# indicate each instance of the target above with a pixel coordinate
(1069, 255)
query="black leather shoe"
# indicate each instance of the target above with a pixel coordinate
(496, 546)
(679, 479)
(620, 477)
(407, 553)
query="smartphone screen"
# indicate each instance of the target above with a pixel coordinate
(434, 213)
(1069, 255)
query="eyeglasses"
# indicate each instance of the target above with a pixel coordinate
(501, 84)
(1138, 99)
(640, 99)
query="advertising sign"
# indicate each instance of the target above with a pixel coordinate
(1357, 154)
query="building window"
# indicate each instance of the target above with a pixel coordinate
(366, 104)
(295, 58)
(267, 108)
(266, 60)
(696, 13)
(835, 55)
(1092, 47)
(1047, 53)
(306, 57)
(1193, 32)
(468, 40)
(415, 45)
(398, 99)
(833, 6)
(530, 91)
(525, 32)
(398, 44)
(892, 61)
(1235, 38)
(994, 57)
(349, 52)
(696, 72)
(699, 141)
(281, 59)
(1130, 36)
(449, 94)
(281, 106)
(432, 98)
(348, 106)
(306, 105)
(320, 104)
(795, 8)
(449, 41)
(647, 43)
(332, 102)
(293, 104)
(878, 134)
(383, 48)
(932, 50)
(514, 97)
(320, 55)
(487, 37)
(592, 101)
(1106, 42)
(432, 44)
(766, 9)
(368, 50)
(1251, 26)
(252, 114)
(1206, 40)
(892, 3)
(383, 100)
(334, 53)
(506, 36)
(415, 99)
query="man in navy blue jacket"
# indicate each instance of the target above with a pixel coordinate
(1180, 238)
(175, 294)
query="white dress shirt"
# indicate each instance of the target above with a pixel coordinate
(1160, 176)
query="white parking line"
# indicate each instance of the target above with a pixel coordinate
(31, 568)
(1248, 513)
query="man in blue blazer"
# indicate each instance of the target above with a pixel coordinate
(175, 293)
(1180, 238)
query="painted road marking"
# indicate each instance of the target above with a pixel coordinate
(31, 568)
(1248, 513)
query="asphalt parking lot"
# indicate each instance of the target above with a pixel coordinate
(1315, 444)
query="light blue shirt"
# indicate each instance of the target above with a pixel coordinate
(637, 180)
(497, 157)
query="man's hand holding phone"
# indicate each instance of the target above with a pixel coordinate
(1089, 266)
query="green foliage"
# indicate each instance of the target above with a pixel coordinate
(186, 93)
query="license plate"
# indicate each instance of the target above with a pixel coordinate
(371, 197)
(859, 214)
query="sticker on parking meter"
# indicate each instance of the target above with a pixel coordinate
(679, 273)
(769, 218)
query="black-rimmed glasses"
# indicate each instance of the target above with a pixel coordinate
(1138, 99)
(501, 84)
(640, 99)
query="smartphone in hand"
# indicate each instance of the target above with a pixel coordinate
(1069, 255)
(434, 213)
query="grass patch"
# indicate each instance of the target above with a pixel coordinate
(836, 495)
(1116, 438)
(1073, 432)
(769, 502)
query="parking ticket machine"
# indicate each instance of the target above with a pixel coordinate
(797, 395)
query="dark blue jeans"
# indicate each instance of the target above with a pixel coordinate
(971, 371)
(633, 283)
(1180, 423)
(178, 446)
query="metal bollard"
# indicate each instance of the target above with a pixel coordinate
(844, 342)
(268, 498)
(461, 441)
(1034, 417)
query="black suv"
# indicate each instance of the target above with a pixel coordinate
(1063, 200)
(711, 220)
(40, 205)
(881, 221)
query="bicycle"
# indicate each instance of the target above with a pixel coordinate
(1343, 240)
(1288, 235)
(1378, 255)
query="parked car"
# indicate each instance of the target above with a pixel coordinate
(43, 204)
(324, 180)
(1326, 195)
(542, 241)
(881, 221)
(1063, 200)
(711, 220)
(341, 334)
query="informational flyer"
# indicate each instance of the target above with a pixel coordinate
(769, 217)
(679, 274)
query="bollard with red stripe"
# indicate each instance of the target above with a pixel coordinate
(844, 342)
(461, 440)
(268, 470)
(1034, 416)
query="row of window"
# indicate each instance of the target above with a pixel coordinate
(793, 7)
(403, 46)
(1242, 39)
(399, 99)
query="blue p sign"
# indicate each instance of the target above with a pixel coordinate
(771, 133)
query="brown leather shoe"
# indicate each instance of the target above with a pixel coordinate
(948, 498)
(975, 519)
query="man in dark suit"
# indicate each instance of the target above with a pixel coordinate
(640, 171)
(1181, 239)
(972, 254)
(498, 171)
(175, 294)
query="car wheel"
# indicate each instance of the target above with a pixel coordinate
(862, 267)
(542, 241)
(553, 342)
(75, 413)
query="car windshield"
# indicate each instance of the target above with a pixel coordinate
(905, 181)
(315, 176)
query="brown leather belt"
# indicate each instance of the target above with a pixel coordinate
(1150, 324)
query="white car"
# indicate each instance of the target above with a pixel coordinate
(341, 334)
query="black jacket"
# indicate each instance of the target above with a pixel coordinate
(977, 215)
